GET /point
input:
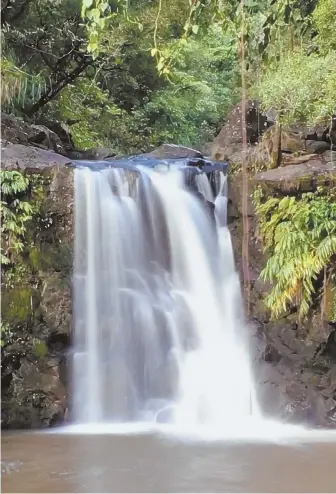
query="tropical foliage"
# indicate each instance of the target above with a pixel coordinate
(300, 236)
(91, 66)
(324, 17)
(15, 213)
(299, 84)
(17, 86)
(204, 87)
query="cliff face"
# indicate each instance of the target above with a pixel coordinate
(295, 364)
(36, 289)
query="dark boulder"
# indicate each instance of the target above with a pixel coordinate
(31, 159)
(304, 177)
(63, 132)
(41, 136)
(318, 147)
(13, 130)
(94, 154)
(171, 151)
(16, 131)
(230, 138)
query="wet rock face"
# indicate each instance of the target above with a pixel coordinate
(302, 177)
(36, 396)
(16, 131)
(30, 159)
(296, 373)
(171, 151)
(229, 141)
(36, 304)
(295, 365)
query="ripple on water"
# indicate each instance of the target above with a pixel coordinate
(10, 466)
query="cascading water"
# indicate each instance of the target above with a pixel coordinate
(158, 326)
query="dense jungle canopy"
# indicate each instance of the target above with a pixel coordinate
(93, 66)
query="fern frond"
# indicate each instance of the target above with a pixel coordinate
(300, 236)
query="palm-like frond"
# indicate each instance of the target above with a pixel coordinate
(300, 236)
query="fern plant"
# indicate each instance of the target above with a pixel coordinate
(300, 236)
(15, 213)
(18, 88)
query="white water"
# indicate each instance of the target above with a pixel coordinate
(159, 332)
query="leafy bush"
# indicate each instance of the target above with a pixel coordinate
(324, 18)
(300, 236)
(301, 84)
(89, 109)
(191, 108)
(15, 213)
(300, 88)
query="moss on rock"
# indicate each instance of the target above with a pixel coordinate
(36, 305)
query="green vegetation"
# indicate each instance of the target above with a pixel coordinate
(15, 213)
(300, 88)
(324, 17)
(300, 236)
(204, 88)
(99, 78)
(299, 233)
(300, 82)
(130, 75)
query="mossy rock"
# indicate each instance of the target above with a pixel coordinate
(305, 177)
(17, 305)
(56, 303)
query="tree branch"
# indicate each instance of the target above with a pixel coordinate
(51, 92)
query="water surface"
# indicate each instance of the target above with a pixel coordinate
(154, 462)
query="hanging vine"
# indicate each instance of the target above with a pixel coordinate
(245, 195)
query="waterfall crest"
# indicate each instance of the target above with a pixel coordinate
(158, 323)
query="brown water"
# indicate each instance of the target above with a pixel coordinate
(35, 462)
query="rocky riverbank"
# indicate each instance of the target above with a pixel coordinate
(36, 286)
(295, 363)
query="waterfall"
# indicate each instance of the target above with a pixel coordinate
(159, 333)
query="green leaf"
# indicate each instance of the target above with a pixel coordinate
(87, 3)
(160, 64)
(40, 348)
(95, 14)
(250, 3)
(92, 46)
(103, 6)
